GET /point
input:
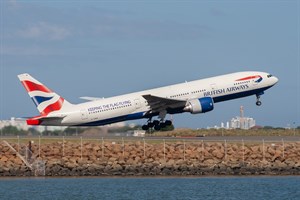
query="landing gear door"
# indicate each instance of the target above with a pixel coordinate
(84, 114)
(137, 103)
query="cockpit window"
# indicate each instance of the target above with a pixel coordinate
(270, 75)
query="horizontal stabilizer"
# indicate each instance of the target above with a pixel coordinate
(91, 98)
(39, 119)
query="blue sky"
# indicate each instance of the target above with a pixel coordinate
(107, 48)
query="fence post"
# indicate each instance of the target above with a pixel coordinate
(282, 148)
(123, 146)
(202, 149)
(225, 150)
(144, 148)
(263, 149)
(102, 148)
(184, 150)
(81, 148)
(18, 144)
(63, 145)
(243, 151)
(39, 146)
(164, 149)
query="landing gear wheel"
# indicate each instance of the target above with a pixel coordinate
(163, 125)
(150, 124)
(258, 103)
(145, 127)
(168, 122)
(157, 127)
(156, 122)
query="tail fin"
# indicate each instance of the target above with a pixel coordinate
(45, 99)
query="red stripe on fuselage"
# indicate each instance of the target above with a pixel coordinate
(248, 78)
(53, 107)
(30, 86)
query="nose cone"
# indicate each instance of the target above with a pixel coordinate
(275, 80)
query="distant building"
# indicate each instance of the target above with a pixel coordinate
(238, 122)
(16, 122)
(139, 133)
(242, 123)
(22, 125)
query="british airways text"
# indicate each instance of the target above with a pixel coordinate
(227, 90)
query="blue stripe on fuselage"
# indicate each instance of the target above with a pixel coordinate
(133, 116)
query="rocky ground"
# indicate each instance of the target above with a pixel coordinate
(153, 158)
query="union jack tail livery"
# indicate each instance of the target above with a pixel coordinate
(44, 99)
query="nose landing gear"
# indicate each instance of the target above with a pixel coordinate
(258, 102)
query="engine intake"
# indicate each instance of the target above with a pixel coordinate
(201, 105)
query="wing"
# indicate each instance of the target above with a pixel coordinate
(158, 104)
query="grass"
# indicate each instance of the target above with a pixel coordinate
(178, 133)
(225, 132)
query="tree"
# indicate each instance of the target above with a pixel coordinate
(73, 131)
(268, 127)
(124, 129)
(168, 128)
(33, 131)
(12, 130)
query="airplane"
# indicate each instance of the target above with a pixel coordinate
(197, 96)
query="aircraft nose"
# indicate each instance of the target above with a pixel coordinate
(275, 80)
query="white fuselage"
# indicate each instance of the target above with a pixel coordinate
(135, 106)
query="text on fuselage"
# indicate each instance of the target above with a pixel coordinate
(225, 90)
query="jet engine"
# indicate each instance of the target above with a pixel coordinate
(201, 105)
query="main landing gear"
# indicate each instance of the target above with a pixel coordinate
(258, 102)
(157, 125)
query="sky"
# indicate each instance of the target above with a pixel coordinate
(108, 48)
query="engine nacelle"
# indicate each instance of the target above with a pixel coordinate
(201, 105)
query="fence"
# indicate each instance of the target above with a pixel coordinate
(72, 152)
(83, 147)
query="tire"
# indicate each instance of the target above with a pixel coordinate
(258, 103)
(156, 122)
(163, 125)
(168, 122)
(150, 124)
(157, 127)
(145, 127)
